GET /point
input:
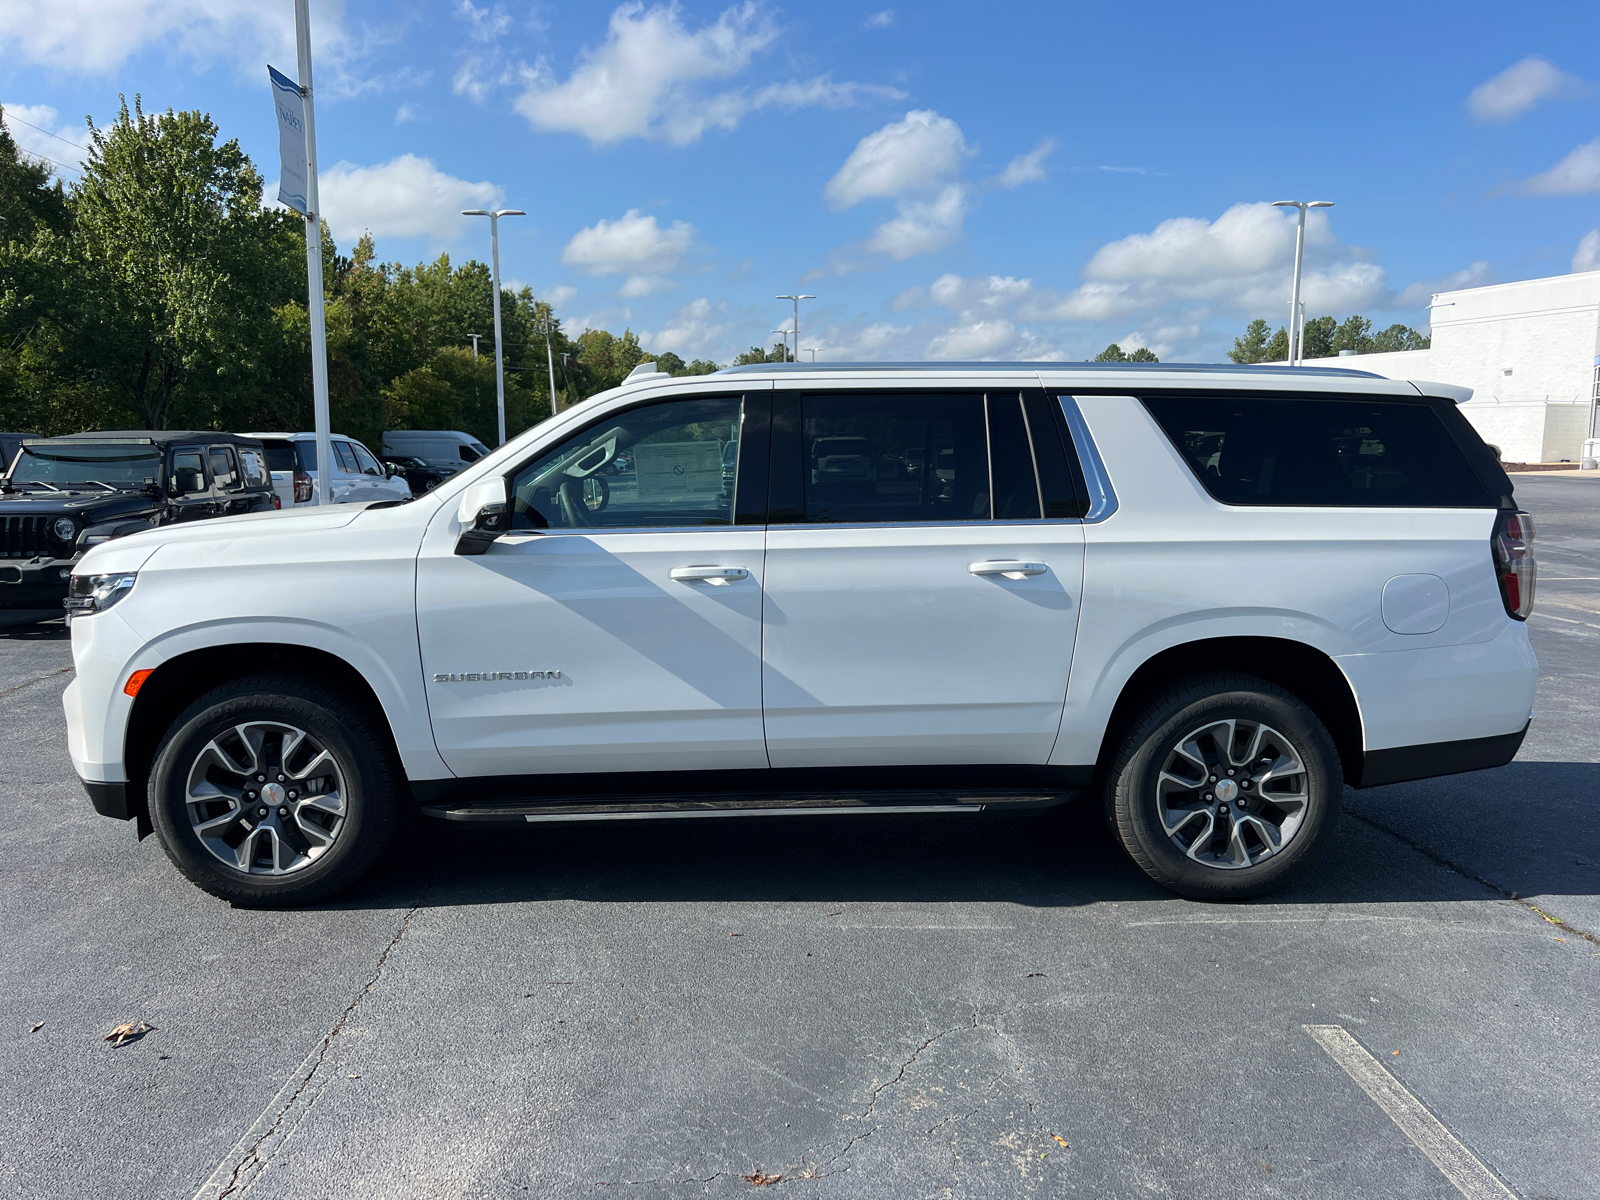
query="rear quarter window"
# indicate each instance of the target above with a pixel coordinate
(1256, 450)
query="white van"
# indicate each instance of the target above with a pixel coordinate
(445, 450)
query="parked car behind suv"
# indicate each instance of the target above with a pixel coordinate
(419, 476)
(63, 496)
(1203, 598)
(446, 451)
(358, 477)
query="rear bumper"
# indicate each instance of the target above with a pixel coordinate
(1401, 763)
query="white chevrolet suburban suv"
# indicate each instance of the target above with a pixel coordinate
(1207, 598)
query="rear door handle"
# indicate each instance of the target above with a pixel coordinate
(716, 576)
(1007, 567)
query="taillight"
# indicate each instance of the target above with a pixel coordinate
(277, 500)
(302, 488)
(1514, 565)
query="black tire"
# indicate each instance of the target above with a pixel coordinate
(1142, 805)
(367, 775)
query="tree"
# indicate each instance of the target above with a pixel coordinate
(1143, 354)
(171, 266)
(1112, 353)
(1277, 350)
(1354, 334)
(1251, 345)
(1318, 341)
(761, 354)
(28, 198)
(1399, 337)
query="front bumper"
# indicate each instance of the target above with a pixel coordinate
(109, 799)
(35, 582)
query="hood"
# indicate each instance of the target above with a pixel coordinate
(87, 504)
(131, 552)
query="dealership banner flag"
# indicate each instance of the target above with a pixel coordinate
(291, 108)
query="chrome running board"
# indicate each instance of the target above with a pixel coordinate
(617, 808)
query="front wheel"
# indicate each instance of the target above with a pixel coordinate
(273, 790)
(1225, 787)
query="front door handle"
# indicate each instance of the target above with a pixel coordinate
(1009, 568)
(716, 576)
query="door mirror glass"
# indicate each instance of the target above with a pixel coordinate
(665, 465)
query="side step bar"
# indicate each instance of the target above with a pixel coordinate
(639, 808)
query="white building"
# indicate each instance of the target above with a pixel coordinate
(1529, 351)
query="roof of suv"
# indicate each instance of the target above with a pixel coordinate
(158, 437)
(1087, 368)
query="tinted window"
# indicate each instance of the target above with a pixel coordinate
(347, 458)
(368, 464)
(189, 467)
(306, 453)
(1016, 490)
(467, 453)
(280, 456)
(252, 467)
(657, 465)
(1056, 488)
(222, 469)
(874, 458)
(1320, 452)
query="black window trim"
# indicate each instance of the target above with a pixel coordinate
(758, 399)
(1445, 410)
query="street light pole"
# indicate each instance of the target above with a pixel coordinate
(784, 334)
(320, 420)
(1296, 344)
(813, 352)
(499, 348)
(796, 300)
(474, 337)
(550, 361)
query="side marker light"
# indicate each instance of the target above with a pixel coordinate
(136, 681)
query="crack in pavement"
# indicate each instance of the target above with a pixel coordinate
(250, 1156)
(1479, 879)
(12, 691)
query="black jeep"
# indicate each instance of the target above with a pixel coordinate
(63, 495)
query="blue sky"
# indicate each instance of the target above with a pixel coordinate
(951, 180)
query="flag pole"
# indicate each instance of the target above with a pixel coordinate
(319, 327)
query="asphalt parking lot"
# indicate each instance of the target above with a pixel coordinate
(912, 1007)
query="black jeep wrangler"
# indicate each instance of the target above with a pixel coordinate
(63, 495)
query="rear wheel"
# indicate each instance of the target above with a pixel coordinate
(273, 791)
(1225, 787)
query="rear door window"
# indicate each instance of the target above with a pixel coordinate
(280, 456)
(347, 458)
(252, 468)
(223, 469)
(1249, 450)
(368, 464)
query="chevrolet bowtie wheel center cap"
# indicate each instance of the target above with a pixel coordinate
(274, 794)
(1226, 790)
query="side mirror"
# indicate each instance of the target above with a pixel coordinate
(185, 483)
(390, 470)
(485, 513)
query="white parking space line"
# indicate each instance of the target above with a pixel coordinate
(1459, 1165)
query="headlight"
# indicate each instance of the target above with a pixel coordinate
(65, 529)
(96, 593)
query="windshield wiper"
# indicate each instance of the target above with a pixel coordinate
(102, 483)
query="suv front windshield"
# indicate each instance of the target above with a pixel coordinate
(76, 464)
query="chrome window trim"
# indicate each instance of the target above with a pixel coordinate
(1102, 497)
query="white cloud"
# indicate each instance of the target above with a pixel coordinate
(1575, 175)
(1419, 294)
(405, 197)
(920, 152)
(1588, 256)
(94, 37)
(39, 131)
(405, 113)
(922, 226)
(633, 243)
(1025, 168)
(1519, 87)
(483, 24)
(559, 295)
(606, 318)
(646, 79)
(643, 285)
(698, 328)
(879, 20)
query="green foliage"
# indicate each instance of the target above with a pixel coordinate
(1325, 338)
(758, 354)
(1114, 353)
(158, 293)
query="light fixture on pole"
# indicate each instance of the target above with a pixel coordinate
(474, 337)
(499, 349)
(784, 334)
(1296, 348)
(813, 352)
(796, 300)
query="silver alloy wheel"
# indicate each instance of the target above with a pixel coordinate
(265, 798)
(1232, 793)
